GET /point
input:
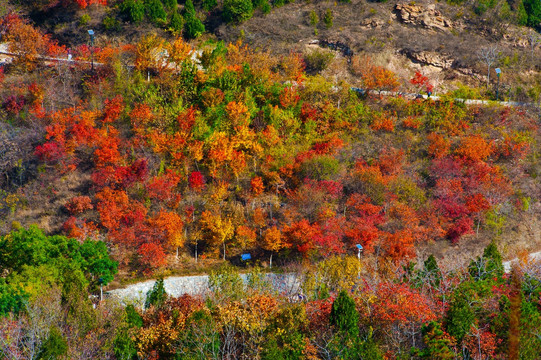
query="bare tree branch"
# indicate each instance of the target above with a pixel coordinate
(488, 55)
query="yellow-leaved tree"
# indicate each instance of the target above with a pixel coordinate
(216, 229)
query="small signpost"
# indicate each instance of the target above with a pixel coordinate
(246, 257)
(359, 248)
(100, 281)
(498, 73)
(91, 33)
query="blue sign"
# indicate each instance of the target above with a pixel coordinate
(245, 257)
(359, 246)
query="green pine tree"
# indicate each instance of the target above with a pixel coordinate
(54, 347)
(155, 11)
(176, 23)
(438, 346)
(344, 316)
(157, 295)
(237, 11)
(533, 9)
(328, 18)
(170, 4)
(487, 266)
(208, 5)
(133, 10)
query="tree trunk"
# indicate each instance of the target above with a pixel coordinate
(488, 77)
(270, 262)
(224, 250)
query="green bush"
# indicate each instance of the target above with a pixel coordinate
(208, 5)
(23, 248)
(488, 266)
(155, 11)
(328, 18)
(237, 11)
(438, 346)
(522, 15)
(85, 19)
(111, 24)
(201, 338)
(188, 7)
(193, 27)
(317, 60)
(322, 167)
(133, 10)
(314, 19)
(12, 298)
(170, 4)
(226, 283)
(266, 7)
(533, 9)
(344, 316)
(466, 92)
(124, 345)
(157, 295)
(483, 5)
(54, 347)
(176, 23)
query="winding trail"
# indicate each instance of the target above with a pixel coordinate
(289, 284)
(176, 286)
(6, 57)
(533, 257)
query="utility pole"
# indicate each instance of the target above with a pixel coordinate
(359, 249)
(100, 281)
(91, 33)
(498, 73)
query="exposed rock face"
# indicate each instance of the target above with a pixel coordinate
(371, 23)
(417, 15)
(429, 58)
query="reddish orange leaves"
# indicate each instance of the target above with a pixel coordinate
(475, 148)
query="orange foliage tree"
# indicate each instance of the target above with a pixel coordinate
(400, 311)
(378, 78)
(474, 148)
(272, 241)
(438, 146)
(171, 225)
(25, 41)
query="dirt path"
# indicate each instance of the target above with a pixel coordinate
(176, 286)
(536, 256)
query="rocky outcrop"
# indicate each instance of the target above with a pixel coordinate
(429, 58)
(417, 15)
(371, 23)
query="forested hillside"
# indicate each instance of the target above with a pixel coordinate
(161, 156)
